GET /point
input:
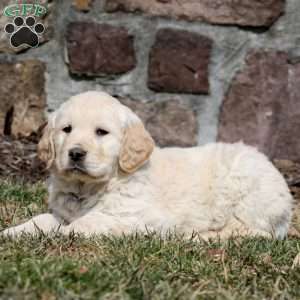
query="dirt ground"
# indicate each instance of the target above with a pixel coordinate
(19, 161)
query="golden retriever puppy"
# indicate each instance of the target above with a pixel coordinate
(107, 177)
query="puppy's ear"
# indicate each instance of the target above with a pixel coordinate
(46, 149)
(136, 147)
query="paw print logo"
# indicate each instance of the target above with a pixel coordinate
(24, 32)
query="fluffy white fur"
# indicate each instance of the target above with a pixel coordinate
(126, 184)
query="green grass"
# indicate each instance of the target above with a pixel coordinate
(137, 266)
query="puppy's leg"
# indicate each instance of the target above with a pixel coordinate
(100, 223)
(43, 222)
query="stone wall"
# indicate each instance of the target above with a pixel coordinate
(195, 71)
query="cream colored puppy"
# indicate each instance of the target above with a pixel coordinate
(107, 177)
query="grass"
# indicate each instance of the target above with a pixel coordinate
(137, 266)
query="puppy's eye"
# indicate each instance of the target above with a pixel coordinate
(67, 129)
(101, 132)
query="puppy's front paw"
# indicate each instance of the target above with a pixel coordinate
(13, 231)
(8, 232)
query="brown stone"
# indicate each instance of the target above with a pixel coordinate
(22, 97)
(83, 5)
(288, 137)
(262, 106)
(170, 123)
(97, 49)
(242, 12)
(46, 20)
(179, 62)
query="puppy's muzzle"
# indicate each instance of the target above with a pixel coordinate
(77, 155)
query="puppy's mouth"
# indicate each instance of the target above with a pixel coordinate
(77, 169)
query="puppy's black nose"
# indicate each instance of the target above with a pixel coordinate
(77, 154)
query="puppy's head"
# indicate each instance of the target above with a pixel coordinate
(92, 135)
